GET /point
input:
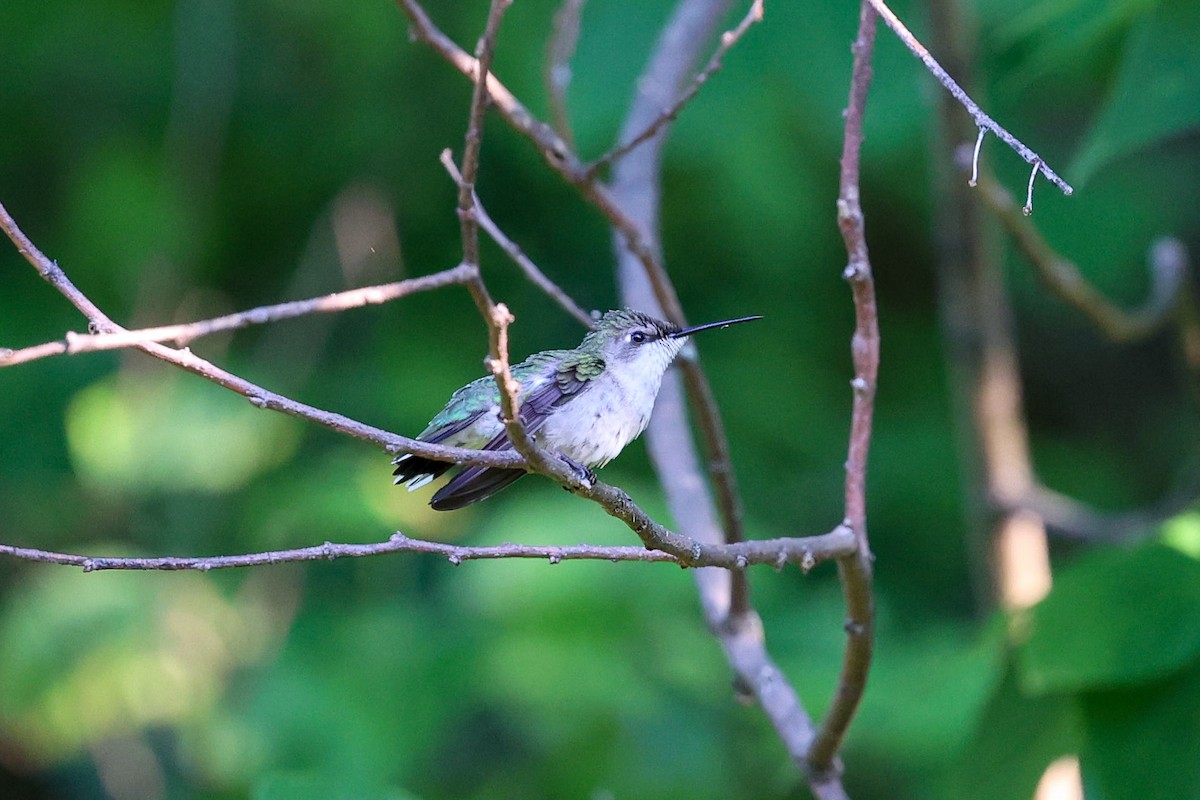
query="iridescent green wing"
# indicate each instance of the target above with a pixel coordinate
(547, 381)
(462, 410)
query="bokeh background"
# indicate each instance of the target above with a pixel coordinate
(182, 160)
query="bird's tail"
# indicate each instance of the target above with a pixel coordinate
(417, 471)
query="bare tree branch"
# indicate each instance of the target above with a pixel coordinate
(803, 552)
(1167, 262)
(725, 599)
(514, 251)
(473, 141)
(615, 502)
(982, 120)
(554, 150)
(855, 570)
(668, 115)
(257, 395)
(185, 333)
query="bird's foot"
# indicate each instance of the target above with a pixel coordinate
(582, 474)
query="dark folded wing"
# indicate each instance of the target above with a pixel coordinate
(573, 375)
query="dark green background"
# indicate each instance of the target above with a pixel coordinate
(185, 160)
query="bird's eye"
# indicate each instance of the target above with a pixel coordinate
(637, 337)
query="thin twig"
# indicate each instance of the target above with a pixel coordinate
(537, 459)
(668, 115)
(514, 251)
(554, 150)
(805, 553)
(510, 403)
(638, 241)
(472, 143)
(1167, 264)
(974, 181)
(257, 395)
(185, 333)
(982, 120)
(855, 570)
(10, 357)
(556, 69)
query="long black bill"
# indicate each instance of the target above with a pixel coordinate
(710, 325)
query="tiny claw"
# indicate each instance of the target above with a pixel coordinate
(582, 474)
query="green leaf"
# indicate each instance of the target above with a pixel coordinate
(1115, 618)
(1017, 737)
(1143, 742)
(1157, 93)
(928, 696)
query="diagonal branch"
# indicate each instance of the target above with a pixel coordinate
(257, 395)
(514, 251)
(669, 114)
(982, 120)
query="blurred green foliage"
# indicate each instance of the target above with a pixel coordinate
(182, 160)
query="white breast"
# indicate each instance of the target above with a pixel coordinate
(594, 427)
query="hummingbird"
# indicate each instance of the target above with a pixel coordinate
(583, 404)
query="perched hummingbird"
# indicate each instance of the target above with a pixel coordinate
(584, 404)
